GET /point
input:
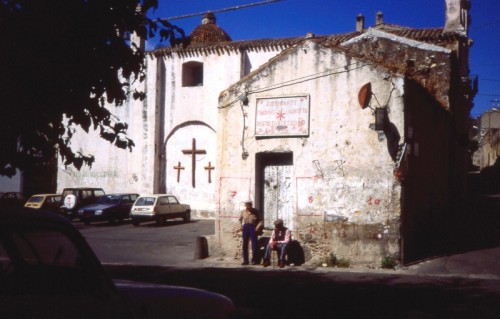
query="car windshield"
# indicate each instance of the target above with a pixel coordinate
(109, 199)
(36, 199)
(145, 201)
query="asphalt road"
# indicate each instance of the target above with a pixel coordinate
(172, 244)
(160, 255)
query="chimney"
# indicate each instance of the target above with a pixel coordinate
(208, 17)
(457, 16)
(379, 18)
(360, 22)
(135, 38)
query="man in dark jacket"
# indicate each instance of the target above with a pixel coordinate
(251, 224)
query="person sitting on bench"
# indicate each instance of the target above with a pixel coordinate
(279, 241)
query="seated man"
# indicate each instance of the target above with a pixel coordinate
(279, 241)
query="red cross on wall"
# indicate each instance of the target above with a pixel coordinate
(209, 168)
(193, 152)
(178, 168)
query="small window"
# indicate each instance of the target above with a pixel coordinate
(172, 200)
(192, 74)
(163, 201)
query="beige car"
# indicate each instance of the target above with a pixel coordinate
(50, 202)
(159, 208)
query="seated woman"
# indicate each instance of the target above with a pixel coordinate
(279, 241)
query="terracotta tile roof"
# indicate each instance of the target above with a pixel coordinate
(429, 35)
(208, 33)
(230, 46)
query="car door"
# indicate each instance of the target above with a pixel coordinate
(125, 205)
(52, 203)
(174, 205)
(163, 206)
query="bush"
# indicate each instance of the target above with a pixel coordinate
(388, 263)
(332, 261)
(343, 263)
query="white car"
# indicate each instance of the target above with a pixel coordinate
(48, 270)
(159, 208)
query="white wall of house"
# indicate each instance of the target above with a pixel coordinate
(11, 184)
(341, 171)
(115, 169)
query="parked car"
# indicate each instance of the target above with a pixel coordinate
(12, 199)
(108, 207)
(48, 270)
(50, 202)
(159, 207)
(76, 197)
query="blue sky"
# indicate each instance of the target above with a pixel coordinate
(287, 18)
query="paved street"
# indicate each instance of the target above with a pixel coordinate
(168, 245)
(459, 286)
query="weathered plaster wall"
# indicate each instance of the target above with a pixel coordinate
(191, 113)
(427, 64)
(347, 200)
(115, 169)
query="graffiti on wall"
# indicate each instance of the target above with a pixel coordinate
(339, 199)
(233, 191)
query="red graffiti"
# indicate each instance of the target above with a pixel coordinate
(233, 193)
(371, 201)
(311, 199)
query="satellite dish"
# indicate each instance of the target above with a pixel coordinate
(365, 95)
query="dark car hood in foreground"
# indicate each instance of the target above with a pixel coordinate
(181, 302)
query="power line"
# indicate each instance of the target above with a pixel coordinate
(221, 10)
(486, 94)
(491, 80)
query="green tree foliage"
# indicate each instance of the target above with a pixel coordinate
(60, 61)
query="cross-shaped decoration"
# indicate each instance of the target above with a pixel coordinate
(209, 168)
(178, 168)
(193, 151)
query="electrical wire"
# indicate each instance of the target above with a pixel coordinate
(243, 6)
(303, 79)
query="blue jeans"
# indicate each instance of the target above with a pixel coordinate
(249, 235)
(280, 248)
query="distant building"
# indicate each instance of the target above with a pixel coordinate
(488, 137)
(358, 140)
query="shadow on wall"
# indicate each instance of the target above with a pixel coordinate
(490, 179)
(392, 134)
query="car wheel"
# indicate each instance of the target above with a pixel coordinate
(187, 217)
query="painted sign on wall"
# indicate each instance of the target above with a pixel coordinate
(282, 116)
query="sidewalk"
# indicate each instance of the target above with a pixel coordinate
(480, 264)
(483, 263)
